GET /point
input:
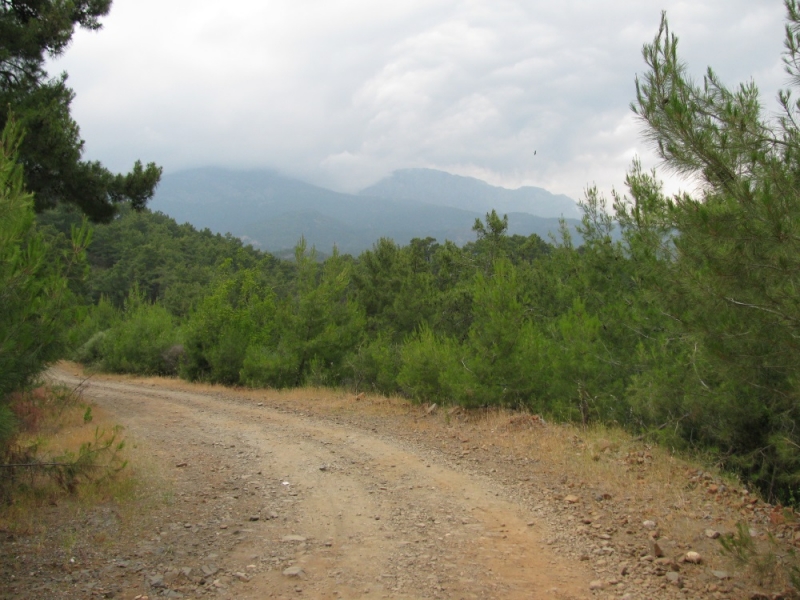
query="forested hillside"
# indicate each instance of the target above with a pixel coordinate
(168, 263)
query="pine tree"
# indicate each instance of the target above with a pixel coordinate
(34, 294)
(736, 264)
(31, 31)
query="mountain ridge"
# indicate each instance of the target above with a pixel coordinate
(272, 211)
(446, 189)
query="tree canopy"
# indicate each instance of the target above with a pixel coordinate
(730, 253)
(31, 31)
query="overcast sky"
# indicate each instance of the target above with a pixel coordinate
(342, 92)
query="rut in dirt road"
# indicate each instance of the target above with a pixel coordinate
(270, 503)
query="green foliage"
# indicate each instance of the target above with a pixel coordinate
(491, 237)
(317, 327)
(172, 264)
(238, 313)
(454, 272)
(270, 366)
(734, 278)
(8, 425)
(27, 469)
(34, 295)
(577, 359)
(504, 346)
(91, 321)
(432, 369)
(396, 286)
(494, 243)
(375, 363)
(140, 340)
(766, 561)
(91, 351)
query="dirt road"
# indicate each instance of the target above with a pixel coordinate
(267, 503)
(251, 494)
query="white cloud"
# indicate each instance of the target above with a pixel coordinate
(342, 92)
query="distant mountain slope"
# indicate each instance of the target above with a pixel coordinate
(228, 201)
(272, 212)
(445, 189)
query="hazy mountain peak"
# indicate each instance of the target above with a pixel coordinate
(445, 189)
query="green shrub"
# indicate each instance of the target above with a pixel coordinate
(375, 363)
(239, 312)
(316, 328)
(91, 352)
(139, 341)
(91, 321)
(36, 304)
(432, 369)
(265, 366)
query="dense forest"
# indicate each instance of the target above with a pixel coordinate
(683, 325)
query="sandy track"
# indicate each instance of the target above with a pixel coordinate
(359, 513)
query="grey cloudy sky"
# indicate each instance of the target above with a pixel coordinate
(342, 92)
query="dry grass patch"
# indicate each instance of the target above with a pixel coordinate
(319, 399)
(597, 457)
(66, 450)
